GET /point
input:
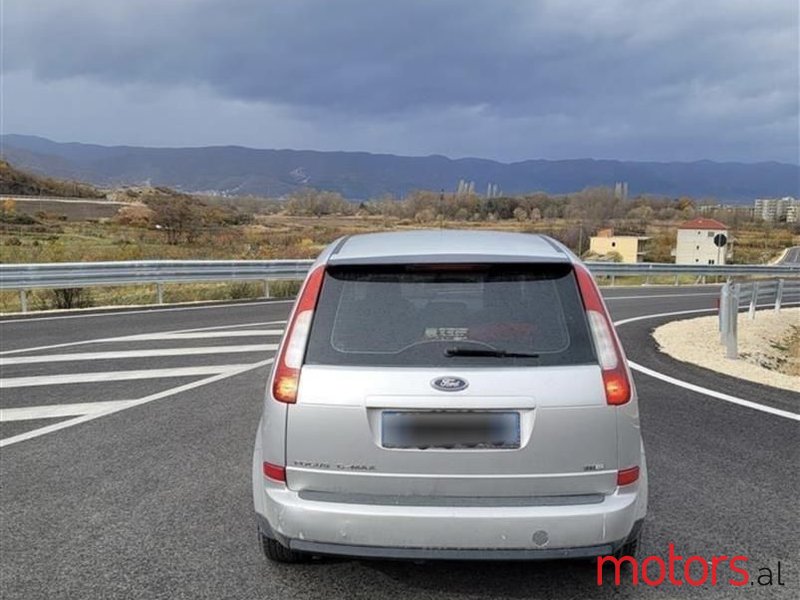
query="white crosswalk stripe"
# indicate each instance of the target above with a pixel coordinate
(84, 418)
(165, 335)
(144, 353)
(202, 335)
(55, 411)
(16, 382)
(52, 369)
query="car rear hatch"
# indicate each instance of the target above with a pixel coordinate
(459, 380)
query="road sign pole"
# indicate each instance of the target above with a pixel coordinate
(720, 241)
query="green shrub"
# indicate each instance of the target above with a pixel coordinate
(65, 298)
(240, 290)
(284, 289)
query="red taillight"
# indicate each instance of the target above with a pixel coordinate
(627, 476)
(275, 472)
(609, 354)
(618, 391)
(287, 369)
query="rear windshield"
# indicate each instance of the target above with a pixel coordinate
(444, 316)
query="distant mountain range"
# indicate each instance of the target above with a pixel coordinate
(236, 170)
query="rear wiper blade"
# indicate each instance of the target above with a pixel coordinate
(457, 351)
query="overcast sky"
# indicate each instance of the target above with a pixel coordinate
(503, 79)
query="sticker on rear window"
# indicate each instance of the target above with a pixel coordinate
(446, 333)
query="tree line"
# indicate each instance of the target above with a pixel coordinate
(596, 204)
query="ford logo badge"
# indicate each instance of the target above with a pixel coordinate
(449, 384)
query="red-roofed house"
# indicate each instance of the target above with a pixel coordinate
(696, 243)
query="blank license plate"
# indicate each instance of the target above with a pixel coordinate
(450, 429)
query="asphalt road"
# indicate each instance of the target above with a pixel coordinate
(792, 255)
(153, 500)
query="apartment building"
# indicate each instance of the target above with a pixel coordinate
(777, 209)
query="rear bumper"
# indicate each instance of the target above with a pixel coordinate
(449, 532)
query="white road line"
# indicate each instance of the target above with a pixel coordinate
(239, 326)
(55, 411)
(676, 313)
(148, 353)
(608, 298)
(202, 335)
(39, 380)
(714, 394)
(693, 311)
(125, 338)
(114, 313)
(157, 396)
(696, 388)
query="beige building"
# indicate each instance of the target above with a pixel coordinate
(696, 243)
(630, 247)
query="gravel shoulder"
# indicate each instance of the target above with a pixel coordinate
(769, 347)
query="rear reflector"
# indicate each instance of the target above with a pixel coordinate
(287, 370)
(275, 472)
(627, 476)
(609, 353)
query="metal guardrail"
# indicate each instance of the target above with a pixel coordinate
(609, 268)
(733, 296)
(75, 275)
(84, 274)
(24, 277)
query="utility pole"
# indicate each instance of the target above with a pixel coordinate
(441, 209)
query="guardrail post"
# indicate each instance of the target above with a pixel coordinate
(676, 279)
(160, 292)
(613, 279)
(266, 288)
(724, 300)
(753, 301)
(732, 341)
(779, 295)
(23, 300)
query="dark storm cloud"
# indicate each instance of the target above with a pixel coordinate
(614, 73)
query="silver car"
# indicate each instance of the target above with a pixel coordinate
(449, 394)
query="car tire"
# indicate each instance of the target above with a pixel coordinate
(277, 552)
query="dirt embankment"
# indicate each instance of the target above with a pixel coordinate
(769, 346)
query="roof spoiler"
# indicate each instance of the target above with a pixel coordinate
(419, 259)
